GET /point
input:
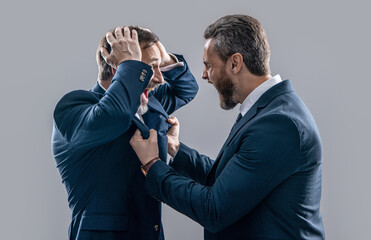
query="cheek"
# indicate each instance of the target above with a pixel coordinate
(213, 75)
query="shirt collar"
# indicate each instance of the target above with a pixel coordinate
(254, 96)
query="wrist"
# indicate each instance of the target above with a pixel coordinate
(148, 165)
(173, 149)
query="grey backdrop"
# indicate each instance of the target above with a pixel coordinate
(48, 48)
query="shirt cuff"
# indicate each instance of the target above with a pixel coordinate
(171, 159)
(172, 66)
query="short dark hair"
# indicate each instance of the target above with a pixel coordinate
(144, 36)
(241, 34)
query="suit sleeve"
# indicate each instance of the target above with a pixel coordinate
(86, 121)
(179, 89)
(191, 164)
(269, 153)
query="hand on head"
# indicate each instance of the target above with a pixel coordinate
(124, 47)
(166, 59)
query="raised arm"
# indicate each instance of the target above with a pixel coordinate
(180, 86)
(85, 120)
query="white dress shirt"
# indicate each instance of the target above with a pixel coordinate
(254, 96)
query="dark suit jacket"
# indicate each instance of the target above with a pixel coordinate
(100, 170)
(265, 182)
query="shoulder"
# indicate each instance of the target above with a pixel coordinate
(73, 99)
(272, 129)
(274, 121)
(78, 96)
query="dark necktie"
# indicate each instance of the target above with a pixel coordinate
(237, 120)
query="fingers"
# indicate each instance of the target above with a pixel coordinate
(173, 120)
(126, 32)
(153, 135)
(134, 35)
(104, 53)
(161, 47)
(110, 38)
(137, 135)
(118, 33)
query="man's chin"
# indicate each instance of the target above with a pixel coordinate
(227, 104)
(152, 87)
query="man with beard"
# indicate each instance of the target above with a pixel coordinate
(92, 130)
(266, 181)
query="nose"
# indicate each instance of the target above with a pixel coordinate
(157, 76)
(204, 74)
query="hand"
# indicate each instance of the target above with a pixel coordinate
(173, 136)
(124, 47)
(146, 149)
(166, 59)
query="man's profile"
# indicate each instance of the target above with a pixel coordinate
(265, 182)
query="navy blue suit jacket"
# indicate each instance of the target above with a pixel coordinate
(264, 184)
(100, 170)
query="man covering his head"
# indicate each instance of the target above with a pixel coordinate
(139, 85)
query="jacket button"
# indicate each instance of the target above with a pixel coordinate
(157, 228)
(143, 75)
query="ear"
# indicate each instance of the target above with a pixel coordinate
(236, 62)
(113, 70)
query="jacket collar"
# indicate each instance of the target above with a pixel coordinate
(269, 95)
(279, 89)
(155, 105)
(98, 89)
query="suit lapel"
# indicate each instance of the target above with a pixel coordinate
(144, 130)
(156, 118)
(268, 96)
(156, 106)
(98, 89)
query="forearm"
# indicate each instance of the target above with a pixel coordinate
(194, 200)
(123, 96)
(190, 163)
(87, 121)
(257, 167)
(180, 87)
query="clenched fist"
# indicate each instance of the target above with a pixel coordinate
(146, 149)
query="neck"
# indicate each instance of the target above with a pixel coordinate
(105, 83)
(249, 83)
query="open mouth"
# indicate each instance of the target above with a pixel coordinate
(144, 97)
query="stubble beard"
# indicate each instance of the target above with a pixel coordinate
(226, 89)
(152, 85)
(143, 108)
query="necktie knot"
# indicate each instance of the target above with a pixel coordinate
(238, 118)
